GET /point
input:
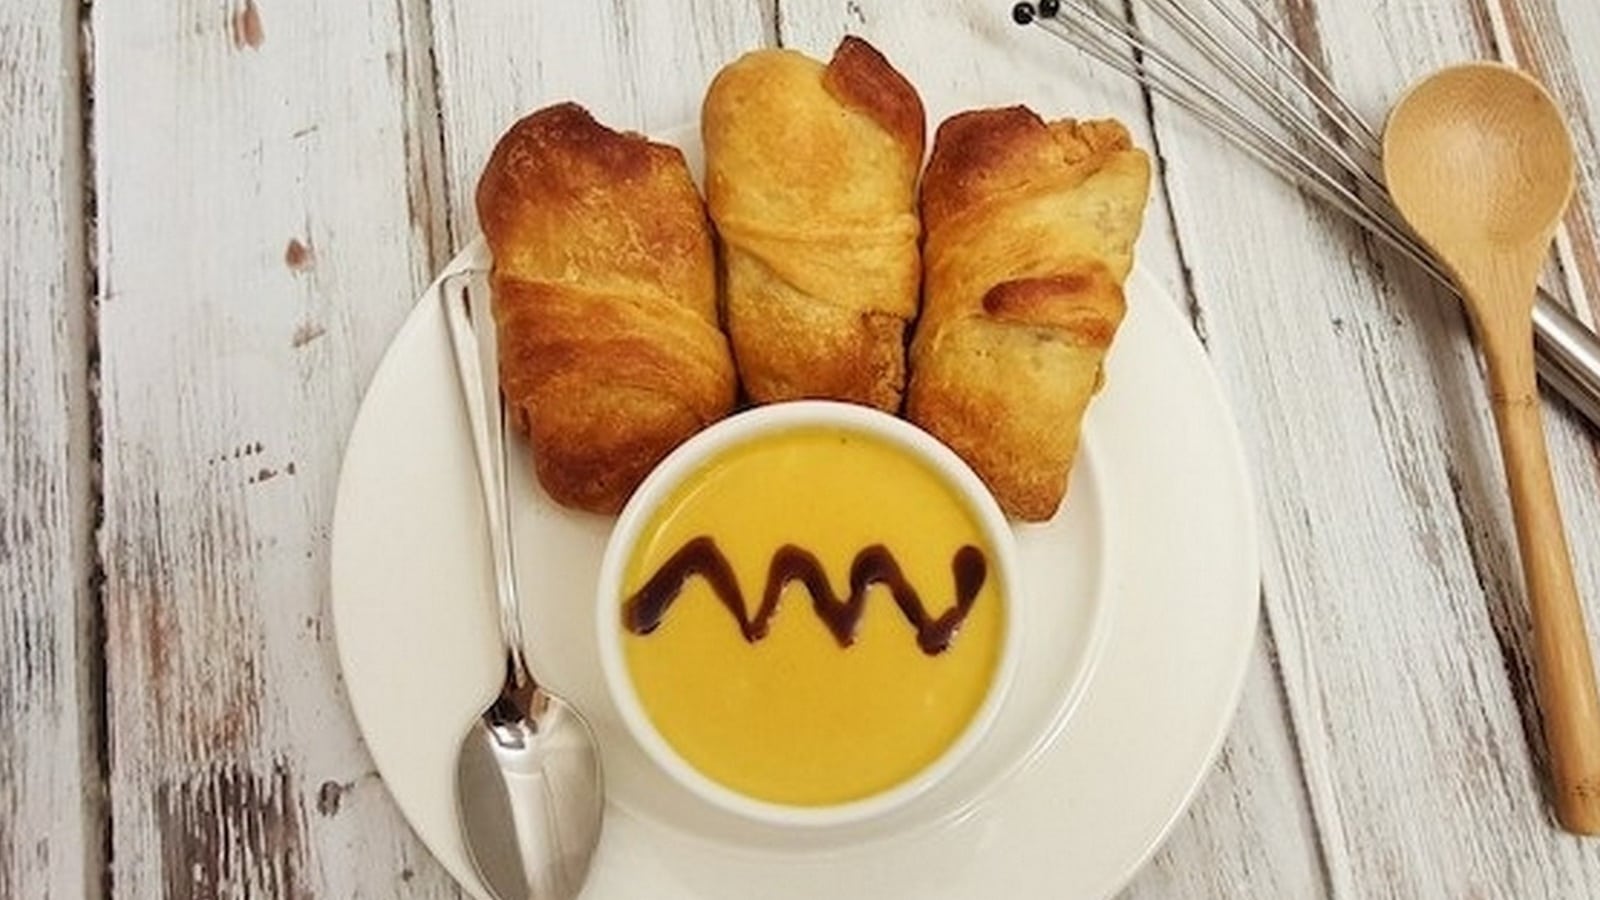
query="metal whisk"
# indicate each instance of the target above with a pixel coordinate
(1283, 111)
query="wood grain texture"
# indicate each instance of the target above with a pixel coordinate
(49, 786)
(264, 194)
(634, 65)
(1249, 828)
(1392, 589)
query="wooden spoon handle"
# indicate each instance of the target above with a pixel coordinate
(1563, 668)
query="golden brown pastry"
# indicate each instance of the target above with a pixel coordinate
(1030, 233)
(604, 293)
(811, 175)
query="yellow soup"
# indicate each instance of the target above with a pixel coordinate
(796, 702)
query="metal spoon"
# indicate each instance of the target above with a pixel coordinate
(1480, 163)
(528, 786)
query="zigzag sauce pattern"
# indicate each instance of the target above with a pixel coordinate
(644, 610)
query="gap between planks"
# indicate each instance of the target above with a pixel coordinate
(83, 287)
(427, 178)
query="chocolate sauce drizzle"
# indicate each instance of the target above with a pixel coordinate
(642, 613)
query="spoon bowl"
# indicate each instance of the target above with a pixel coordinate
(1479, 153)
(1479, 162)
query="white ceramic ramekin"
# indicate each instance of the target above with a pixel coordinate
(760, 422)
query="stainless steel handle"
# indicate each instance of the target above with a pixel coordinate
(1568, 356)
(488, 442)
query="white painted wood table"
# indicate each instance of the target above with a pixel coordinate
(213, 216)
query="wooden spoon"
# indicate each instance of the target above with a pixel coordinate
(1479, 161)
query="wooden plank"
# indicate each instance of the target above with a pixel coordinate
(1250, 825)
(639, 65)
(1393, 595)
(265, 222)
(49, 789)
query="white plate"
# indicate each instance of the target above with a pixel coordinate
(1142, 608)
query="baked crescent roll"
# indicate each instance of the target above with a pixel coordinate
(1030, 233)
(811, 175)
(604, 296)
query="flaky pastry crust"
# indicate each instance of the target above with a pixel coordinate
(811, 175)
(1030, 228)
(604, 296)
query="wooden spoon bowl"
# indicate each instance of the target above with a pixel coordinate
(1479, 153)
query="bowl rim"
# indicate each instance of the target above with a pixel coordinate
(758, 422)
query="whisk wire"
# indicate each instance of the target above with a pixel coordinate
(1113, 31)
(1106, 37)
(1299, 126)
(1351, 123)
(1268, 150)
(1099, 34)
(1259, 88)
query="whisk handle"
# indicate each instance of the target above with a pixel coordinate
(1568, 356)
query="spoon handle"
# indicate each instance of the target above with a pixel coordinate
(488, 444)
(1563, 668)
